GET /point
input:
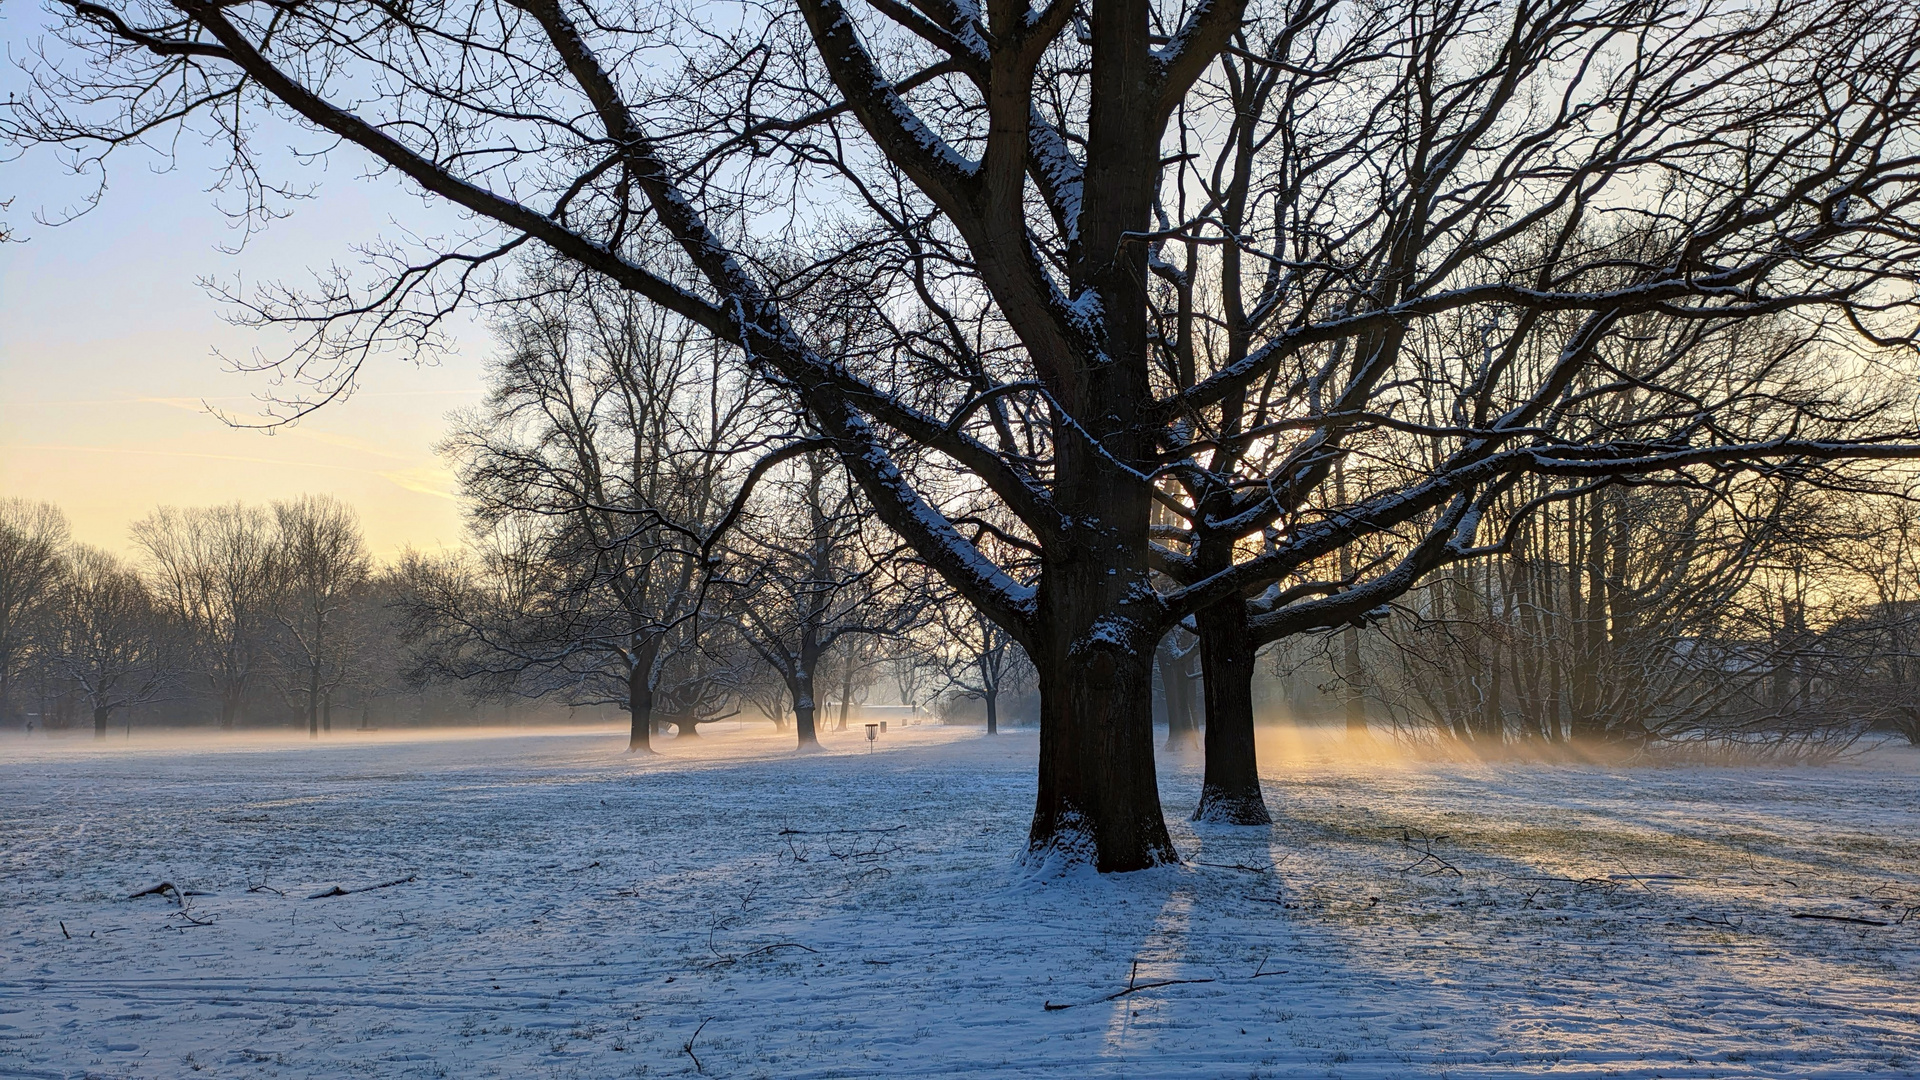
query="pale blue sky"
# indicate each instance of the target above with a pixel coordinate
(108, 348)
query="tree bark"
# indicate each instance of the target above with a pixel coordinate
(990, 695)
(1230, 792)
(100, 720)
(801, 685)
(640, 703)
(1098, 798)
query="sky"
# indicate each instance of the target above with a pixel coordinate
(111, 353)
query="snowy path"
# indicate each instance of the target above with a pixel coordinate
(573, 913)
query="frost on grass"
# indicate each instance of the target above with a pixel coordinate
(552, 908)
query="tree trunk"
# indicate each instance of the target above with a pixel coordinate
(100, 720)
(1230, 793)
(313, 703)
(1351, 679)
(846, 693)
(640, 703)
(800, 685)
(1183, 726)
(992, 698)
(1098, 798)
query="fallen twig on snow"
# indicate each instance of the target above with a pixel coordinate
(687, 1047)
(1839, 918)
(729, 961)
(1132, 987)
(338, 891)
(1427, 854)
(1236, 866)
(1729, 924)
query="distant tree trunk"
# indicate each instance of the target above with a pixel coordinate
(100, 720)
(326, 712)
(1230, 792)
(229, 708)
(1183, 721)
(1351, 678)
(990, 694)
(313, 703)
(846, 692)
(800, 684)
(802, 687)
(640, 700)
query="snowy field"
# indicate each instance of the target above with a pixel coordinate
(729, 910)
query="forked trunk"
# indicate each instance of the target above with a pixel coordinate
(1230, 794)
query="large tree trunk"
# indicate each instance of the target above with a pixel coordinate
(100, 720)
(1098, 799)
(1230, 793)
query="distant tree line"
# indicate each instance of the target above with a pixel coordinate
(229, 614)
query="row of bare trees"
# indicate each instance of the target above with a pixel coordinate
(654, 530)
(1746, 611)
(225, 604)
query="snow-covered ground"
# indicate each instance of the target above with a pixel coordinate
(730, 909)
